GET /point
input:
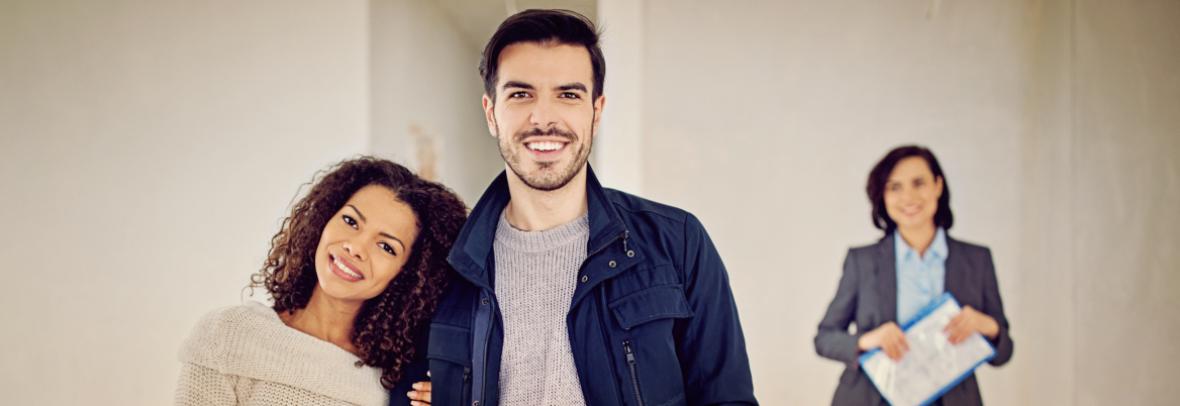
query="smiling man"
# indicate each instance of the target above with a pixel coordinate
(569, 293)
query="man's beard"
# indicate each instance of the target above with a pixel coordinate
(546, 177)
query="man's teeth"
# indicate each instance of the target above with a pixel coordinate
(544, 146)
(346, 270)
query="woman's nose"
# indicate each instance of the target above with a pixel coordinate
(351, 249)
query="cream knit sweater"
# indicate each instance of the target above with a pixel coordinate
(246, 355)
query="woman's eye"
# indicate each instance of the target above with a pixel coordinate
(387, 248)
(349, 220)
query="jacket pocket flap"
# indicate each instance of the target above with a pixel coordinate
(650, 304)
(450, 343)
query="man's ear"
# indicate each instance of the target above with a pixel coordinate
(489, 113)
(599, 104)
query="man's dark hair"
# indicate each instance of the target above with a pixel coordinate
(543, 26)
(879, 176)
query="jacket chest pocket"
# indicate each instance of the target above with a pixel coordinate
(450, 364)
(645, 345)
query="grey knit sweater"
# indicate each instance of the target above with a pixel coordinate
(536, 273)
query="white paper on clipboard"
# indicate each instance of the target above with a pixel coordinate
(933, 365)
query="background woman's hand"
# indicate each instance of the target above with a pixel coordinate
(888, 337)
(970, 321)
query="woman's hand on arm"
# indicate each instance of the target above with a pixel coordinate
(888, 337)
(420, 396)
(968, 322)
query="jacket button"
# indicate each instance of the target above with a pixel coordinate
(585, 278)
(612, 263)
(630, 253)
(475, 403)
(483, 301)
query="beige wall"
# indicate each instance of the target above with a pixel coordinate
(1126, 195)
(1045, 338)
(426, 95)
(147, 151)
(1056, 124)
(777, 110)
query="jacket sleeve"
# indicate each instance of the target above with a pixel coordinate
(833, 340)
(712, 347)
(416, 371)
(993, 306)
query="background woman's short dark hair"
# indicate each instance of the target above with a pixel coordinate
(879, 177)
(560, 26)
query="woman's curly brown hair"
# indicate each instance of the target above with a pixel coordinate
(385, 328)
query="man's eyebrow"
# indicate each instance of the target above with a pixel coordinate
(517, 84)
(573, 86)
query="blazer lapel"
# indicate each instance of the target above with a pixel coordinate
(955, 278)
(887, 278)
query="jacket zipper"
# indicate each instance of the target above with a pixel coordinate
(466, 385)
(486, 339)
(624, 235)
(634, 372)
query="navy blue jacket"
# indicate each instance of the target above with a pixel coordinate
(652, 320)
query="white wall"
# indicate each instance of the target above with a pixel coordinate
(618, 155)
(1054, 120)
(426, 95)
(1045, 338)
(147, 152)
(768, 120)
(1126, 191)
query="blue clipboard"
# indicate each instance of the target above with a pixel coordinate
(922, 314)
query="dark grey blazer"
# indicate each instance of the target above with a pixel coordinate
(867, 296)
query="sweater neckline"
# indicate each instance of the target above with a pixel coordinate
(250, 340)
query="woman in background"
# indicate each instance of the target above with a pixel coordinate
(888, 282)
(355, 273)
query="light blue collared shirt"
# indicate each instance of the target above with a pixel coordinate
(919, 280)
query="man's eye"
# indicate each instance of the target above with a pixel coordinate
(570, 95)
(349, 220)
(387, 248)
(518, 95)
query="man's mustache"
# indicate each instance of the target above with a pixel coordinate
(554, 131)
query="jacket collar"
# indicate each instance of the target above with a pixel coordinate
(887, 276)
(955, 280)
(471, 254)
(937, 249)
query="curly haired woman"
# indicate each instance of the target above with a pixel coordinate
(355, 273)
